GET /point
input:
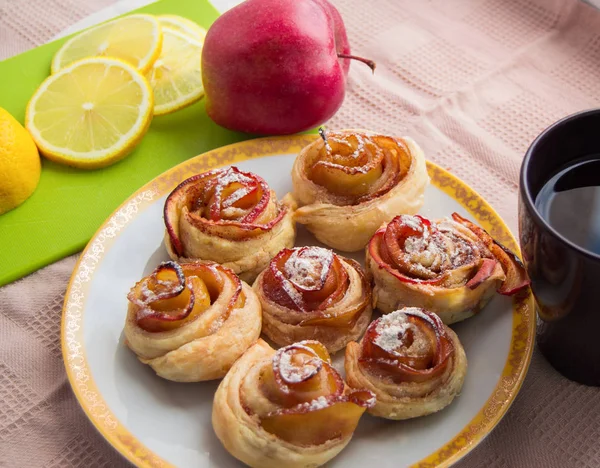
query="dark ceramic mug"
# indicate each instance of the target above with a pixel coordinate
(565, 278)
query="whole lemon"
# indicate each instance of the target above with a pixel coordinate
(20, 165)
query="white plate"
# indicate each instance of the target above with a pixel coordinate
(154, 422)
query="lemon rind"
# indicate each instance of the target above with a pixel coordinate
(144, 64)
(188, 99)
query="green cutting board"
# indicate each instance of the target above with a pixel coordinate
(70, 204)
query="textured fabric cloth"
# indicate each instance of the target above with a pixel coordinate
(473, 81)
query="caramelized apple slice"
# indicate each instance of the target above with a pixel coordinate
(394, 240)
(346, 180)
(299, 373)
(319, 349)
(174, 313)
(167, 299)
(323, 419)
(408, 345)
(243, 198)
(348, 165)
(325, 382)
(483, 273)
(165, 282)
(295, 364)
(345, 319)
(379, 253)
(305, 368)
(334, 288)
(516, 276)
(306, 279)
(234, 188)
(224, 202)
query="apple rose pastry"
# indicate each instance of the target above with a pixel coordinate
(230, 217)
(412, 362)
(287, 408)
(191, 322)
(450, 267)
(348, 184)
(310, 292)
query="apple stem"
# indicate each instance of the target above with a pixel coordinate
(370, 63)
(324, 136)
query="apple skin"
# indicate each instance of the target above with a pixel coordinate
(271, 66)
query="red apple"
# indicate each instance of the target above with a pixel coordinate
(276, 66)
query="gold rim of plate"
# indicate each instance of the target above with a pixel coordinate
(101, 416)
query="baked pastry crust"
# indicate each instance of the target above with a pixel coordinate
(286, 408)
(219, 318)
(313, 293)
(230, 217)
(346, 188)
(411, 361)
(440, 266)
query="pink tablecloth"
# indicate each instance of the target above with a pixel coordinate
(474, 81)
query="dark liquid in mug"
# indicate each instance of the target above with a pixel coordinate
(570, 203)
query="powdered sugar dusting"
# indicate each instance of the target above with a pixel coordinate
(436, 249)
(308, 267)
(232, 213)
(427, 251)
(462, 250)
(390, 330)
(413, 222)
(214, 268)
(416, 312)
(146, 294)
(371, 401)
(292, 372)
(350, 169)
(143, 295)
(420, 343)
(357, 153)
(290, 290)
(360, 145)
(230, 176)
(236, 196)
(314, 405)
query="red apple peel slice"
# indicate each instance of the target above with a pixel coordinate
(281, 287)
(412, 368)
(516, 275)
(484, 272)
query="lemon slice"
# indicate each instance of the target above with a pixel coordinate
(183, 25)
(136, 39)
(175, 77)
(91, 113)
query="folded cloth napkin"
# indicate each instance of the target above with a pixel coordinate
(473, 81)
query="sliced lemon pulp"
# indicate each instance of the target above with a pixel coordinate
(91, 113)
(183, 25)
(175, 77)
(136, 39)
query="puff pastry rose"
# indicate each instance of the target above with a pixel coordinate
(190, 322)
(230, 217)
(288, 408)
(449, 266)
(348, 185)
(412, 362)
(313, 293)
